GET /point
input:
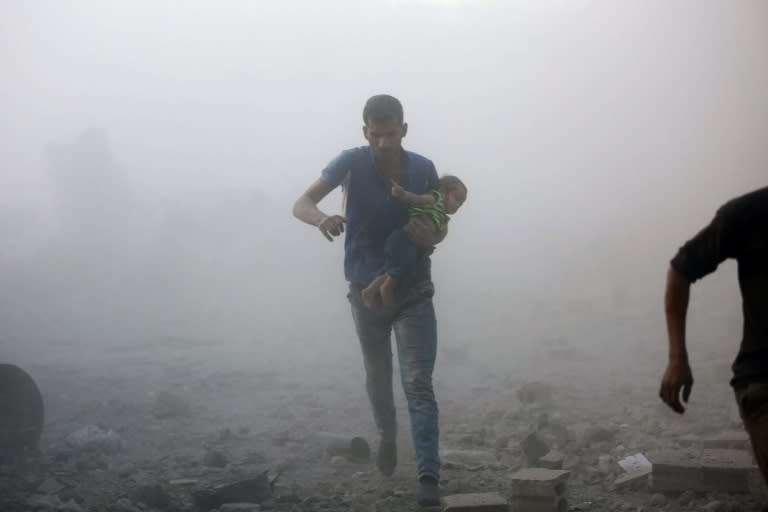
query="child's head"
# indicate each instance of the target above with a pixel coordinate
(454, 193)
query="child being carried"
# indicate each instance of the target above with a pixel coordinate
(400, 252)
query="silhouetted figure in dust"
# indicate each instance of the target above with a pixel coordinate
(740, 231)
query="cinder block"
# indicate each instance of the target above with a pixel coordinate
(475, 502)
(539, 504)
(539, 482)
(635, 480)
(701, 470)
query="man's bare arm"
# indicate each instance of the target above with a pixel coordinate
(409, 197)
(678, 375)
(305, 209)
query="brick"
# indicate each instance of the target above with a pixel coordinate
(539, 482)
(476, 502)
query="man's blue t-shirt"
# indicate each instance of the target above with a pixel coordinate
(371, 211)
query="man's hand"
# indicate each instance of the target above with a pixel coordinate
(677, 376)
(332, 225)
(397, 190)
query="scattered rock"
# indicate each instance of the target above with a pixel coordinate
(94, 438)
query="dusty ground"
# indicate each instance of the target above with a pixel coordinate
(218, 413)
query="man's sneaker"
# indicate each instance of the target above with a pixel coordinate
(386, 458)
(429, 492)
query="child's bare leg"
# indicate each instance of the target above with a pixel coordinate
(388, 290)
(371, 291)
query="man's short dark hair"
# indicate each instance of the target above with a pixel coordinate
(383, 108)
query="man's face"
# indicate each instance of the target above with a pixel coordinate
(385, 138)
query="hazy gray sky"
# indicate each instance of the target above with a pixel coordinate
(595, 136)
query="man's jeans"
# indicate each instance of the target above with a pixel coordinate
(413, 319)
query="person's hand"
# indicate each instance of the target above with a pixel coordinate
(677, 377)
(397, 190)
(332, 225)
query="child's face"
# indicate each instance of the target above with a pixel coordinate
(454, 198)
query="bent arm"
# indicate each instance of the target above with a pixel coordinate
(676, 298)
(305, 208)
(417, 199)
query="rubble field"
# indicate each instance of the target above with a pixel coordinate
(207, 427)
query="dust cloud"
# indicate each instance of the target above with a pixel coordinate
(152, 152)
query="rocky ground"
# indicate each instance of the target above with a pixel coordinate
(160, 427)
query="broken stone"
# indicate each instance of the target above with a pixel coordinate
(552, 460)
(353, 448)
(476, 502)
(94, 438)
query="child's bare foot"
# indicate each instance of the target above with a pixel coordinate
(368, 295)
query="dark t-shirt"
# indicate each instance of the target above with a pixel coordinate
(740, 231)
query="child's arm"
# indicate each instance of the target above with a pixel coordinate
(410, 197)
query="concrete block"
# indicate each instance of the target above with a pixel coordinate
(716, 470)
(635, 481)
(539, 504)
(476, 502)
(539, 482)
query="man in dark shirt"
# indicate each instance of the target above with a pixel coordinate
(366, 174)
(740, 231)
